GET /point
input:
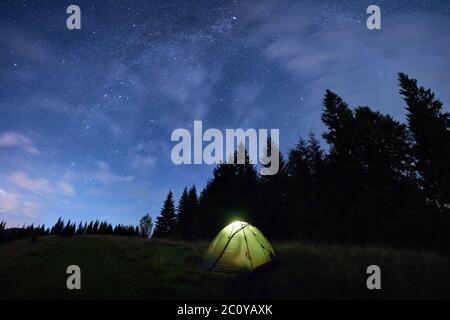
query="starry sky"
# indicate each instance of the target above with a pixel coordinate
(86, 115)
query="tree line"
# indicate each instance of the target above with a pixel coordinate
(70, 229)
(380, 181)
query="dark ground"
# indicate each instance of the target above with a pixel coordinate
(135, 268)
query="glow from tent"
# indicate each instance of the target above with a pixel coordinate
(237, 223)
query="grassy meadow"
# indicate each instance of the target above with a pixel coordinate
(135, 268)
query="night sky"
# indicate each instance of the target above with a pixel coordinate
(86, 115)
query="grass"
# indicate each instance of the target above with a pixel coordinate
(133, 268)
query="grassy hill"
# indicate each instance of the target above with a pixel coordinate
(117, 267)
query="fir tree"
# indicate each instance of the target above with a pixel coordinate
(184, 215)
(230, 195)
(58, 227)
(273, 214)
(430, 127)
(166, 223)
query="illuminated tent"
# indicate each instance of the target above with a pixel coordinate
(238, 248)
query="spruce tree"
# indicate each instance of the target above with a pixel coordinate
(368, 181)
(58, 227)
(166, 223)
(430, 127)
(194, 221)
(95, 227)
(80, 230)
(230, 195)
(184, 218)
(90, 227)
(305, 199)
(273, 215)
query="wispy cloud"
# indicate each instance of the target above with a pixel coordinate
(341, 54)
(143, 162)
(31, 208)
(14, 203)
(42, 186)
(66, 188)
(142, 157)
(13, 139)
(8, 201)
(38, 186)
(107, 177)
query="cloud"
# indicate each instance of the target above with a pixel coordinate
(13, 139)
(8, 201)
(66, 188)
(42, 186)
(30, 208)
(38, 186)
(142, 157)
(107, 177)
(143, 162)
(182, 82)
(243, 104)
(340, 54)
(23, 44)
(14, 203)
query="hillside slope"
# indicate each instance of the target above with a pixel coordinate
(117, 267)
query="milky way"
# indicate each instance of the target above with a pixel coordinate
(86, 115)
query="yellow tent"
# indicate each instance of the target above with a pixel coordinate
(238, 248)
